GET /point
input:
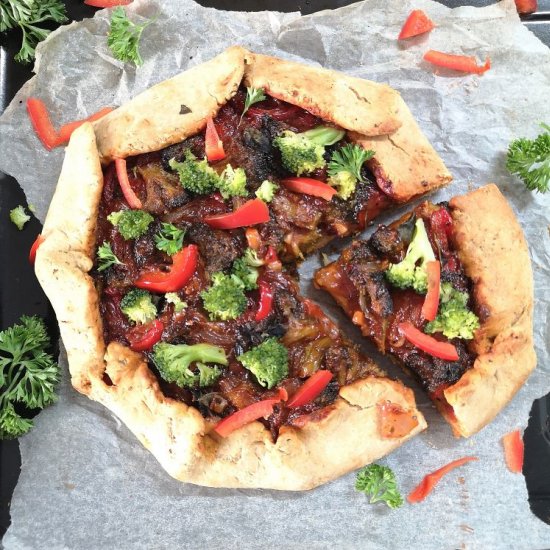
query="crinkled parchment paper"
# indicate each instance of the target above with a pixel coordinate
(87, 483)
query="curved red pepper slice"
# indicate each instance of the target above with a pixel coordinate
(260, 409)
(311, 388)
(461, 63)
(32, 252)
(513, 451)
(144, 337)
(310, 186)
(443, 350)
(41, 122)
(524, 7)
(213, 145)
(431, 302)
(66, 130)
(417, 23)
(266, 301)
(431, 480)
(251, 212)
(107, 3)
(122, 175)
(183, 266)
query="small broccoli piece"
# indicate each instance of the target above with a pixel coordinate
(304, 152)
(345, 182)
(268, 362)
(131, 224)
(173, 362)
(19, 217)
(225, 299)
(267, 190)
(411, 271)
(454, 319)
(138, 306)
(233, 182)
(173, 298)
(247, 274)
(251, 257)
(196, 175)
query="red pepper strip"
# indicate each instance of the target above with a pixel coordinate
(40, 120)
(250, 213)
(417, 23)
(426, 343)
(525, 7)
(513, 451)
(107, 3)
(266, 301)
(260, 409)
(310, 186)
(213, 145)
(441, 225)
(32, 252)
(311, 388)
(461, 63)
(184, 264)
(431, 480)
(66, 130)
(144, 337)
(122, 175)
(431, 302)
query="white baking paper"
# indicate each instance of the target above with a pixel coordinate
(87, 483)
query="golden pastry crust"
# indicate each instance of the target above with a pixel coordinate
(495, 256)
(181, 439)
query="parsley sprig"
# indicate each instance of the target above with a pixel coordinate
(379, 483)
(530, 160)
(349, 158)
(253, 95)
(124, 35)
(28, 15)
(28, 374)
(170, 238)
(106, 257)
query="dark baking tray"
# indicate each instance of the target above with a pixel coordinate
(21, 294)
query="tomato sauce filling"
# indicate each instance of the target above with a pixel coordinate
(298, 224)
(357, 282)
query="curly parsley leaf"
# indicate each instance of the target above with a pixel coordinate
(170, 238)
(253, 95)
(28, 374)
(28, 15)
(530, 160)
(349, 158)
(106, 257)
(379, 483)
(123, 38)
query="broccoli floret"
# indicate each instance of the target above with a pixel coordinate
(138, 306)
(233, 182)
(266, 191)
(196, 175)
(19, 217)
(411, 271)
(454, 319)
(251, 257)
(268, 362)
(173, 363)
(303, 153)
(173, 298)
(245, 269)
(345, 182)
(225, 299)
(131, 224)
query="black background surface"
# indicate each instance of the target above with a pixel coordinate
(21, 294)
